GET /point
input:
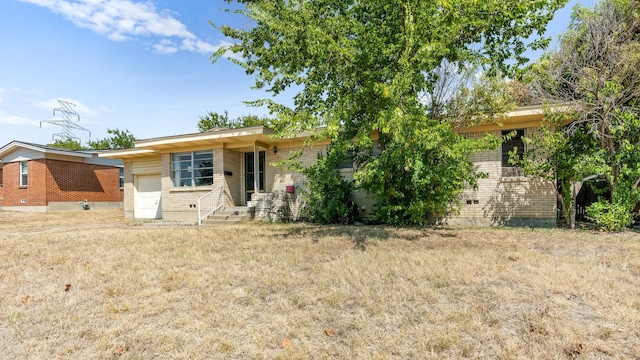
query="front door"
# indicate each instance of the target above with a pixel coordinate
(249, 173)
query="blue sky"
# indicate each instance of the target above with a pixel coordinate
(138, 65)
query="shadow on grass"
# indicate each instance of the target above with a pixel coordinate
(362, 235)
(447, 234)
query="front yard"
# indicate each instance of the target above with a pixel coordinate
(90, 285)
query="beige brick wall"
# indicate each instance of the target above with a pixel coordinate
(278, 177)
(180, 203)
(498, 200)
(276, 204)
(128, 190)
(231, 162)
(505, 200)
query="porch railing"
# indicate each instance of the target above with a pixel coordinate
(209, 202)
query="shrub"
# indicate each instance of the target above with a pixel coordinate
(329, 197)
(610, 217)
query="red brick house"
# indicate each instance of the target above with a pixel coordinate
(41, 178)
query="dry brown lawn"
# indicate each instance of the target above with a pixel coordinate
(88, 285)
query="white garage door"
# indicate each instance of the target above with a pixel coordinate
(148, 199)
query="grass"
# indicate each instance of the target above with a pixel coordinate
(90, 285)
(13, 221)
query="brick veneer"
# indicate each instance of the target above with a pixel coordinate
(498, 201)
(1, 188)
(34, 194)
(276, 204)
(60, 181)
(69, 181)
(232, 163)
(505, 200)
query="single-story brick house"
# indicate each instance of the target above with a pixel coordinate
(42, 178)
(175, 177)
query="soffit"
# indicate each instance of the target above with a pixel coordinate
(529, 116)
(227, 138)
(128, 154)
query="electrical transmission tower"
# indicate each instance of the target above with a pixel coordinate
(67, 123)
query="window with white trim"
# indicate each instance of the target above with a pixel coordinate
(192, 168)
(121, 177)
(24, 173)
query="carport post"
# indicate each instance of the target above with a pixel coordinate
(256, 168)
(575, 189)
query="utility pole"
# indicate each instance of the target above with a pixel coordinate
(67, 122)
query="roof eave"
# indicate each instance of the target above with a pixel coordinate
(47, 150)
(204, 136)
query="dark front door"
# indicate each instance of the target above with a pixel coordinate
(249, 173)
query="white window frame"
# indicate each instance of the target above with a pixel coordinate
(177, 171)
(121, 176)
(24, 173)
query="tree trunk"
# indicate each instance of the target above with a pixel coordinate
(572, 214)
(575, 189)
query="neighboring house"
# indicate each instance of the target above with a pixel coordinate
(41, 178)
(184, 177)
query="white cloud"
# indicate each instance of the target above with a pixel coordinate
(10, 91)
(199, 46)
(121, 20)
(17, 120)
(165, 47)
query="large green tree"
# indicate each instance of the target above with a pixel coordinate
(116, 139)
(214, 120)
(361, 68)
(594, 76)
(68, 144)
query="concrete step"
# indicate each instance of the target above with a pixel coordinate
(239, 209)
(222, 217)
(209, 222)
(228, 216)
